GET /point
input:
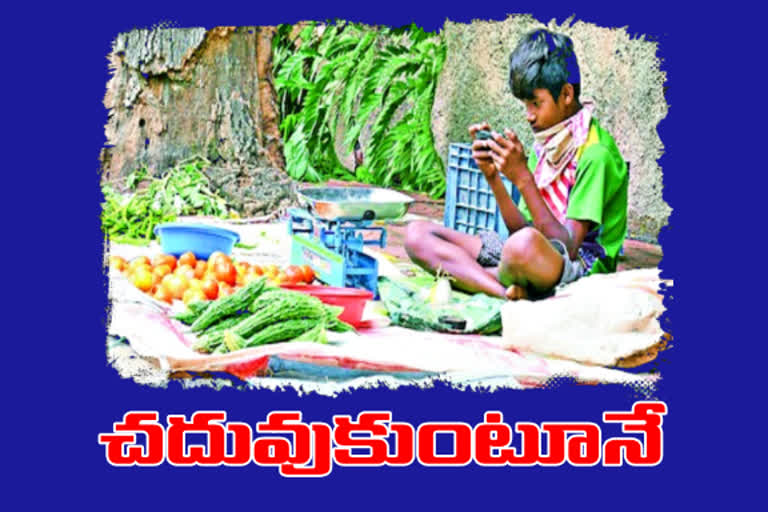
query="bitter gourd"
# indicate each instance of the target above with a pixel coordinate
(213, 336)
(224, 323)
(281, 331)
(273, 295)
(221, 348)
(331, 313)
(332, 319)
(270, 307)
(240, 300)
(316, 334)
(232, 341)
(276, 307)
(273, 315)
(209, 345)
(193, 311)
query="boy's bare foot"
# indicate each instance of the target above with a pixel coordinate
(516, 292)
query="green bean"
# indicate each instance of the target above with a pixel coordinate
(136, 216)
(129, 240)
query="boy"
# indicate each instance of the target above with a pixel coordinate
(572, 215)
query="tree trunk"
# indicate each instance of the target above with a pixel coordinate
(181, 93)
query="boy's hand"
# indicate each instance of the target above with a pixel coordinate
(509, 157)
(481, 152)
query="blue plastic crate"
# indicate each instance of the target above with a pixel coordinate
(469, 201)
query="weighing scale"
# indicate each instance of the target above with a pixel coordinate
(328, 232)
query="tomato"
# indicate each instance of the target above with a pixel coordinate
(185, 270)
(257, 270)
(165, 280)
(163, 296)
(271, 270)
(188, 258)
(243, 269)
(141, 261)
(194, 295)
(210, 287)
(292, 275)
(226, 272)
(176, 285)
(278, 279)
(200, 269)
(225, 289)
(161, 271)
(216, 257)
(309, 274)
(142, 279)
(140, 267)
(164, 259)
(118, 263)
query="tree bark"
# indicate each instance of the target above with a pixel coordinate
(268, 97)
(180, 93)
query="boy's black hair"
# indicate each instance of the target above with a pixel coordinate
(543, 60)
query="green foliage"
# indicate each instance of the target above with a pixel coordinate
(364, 78)
(183, 190)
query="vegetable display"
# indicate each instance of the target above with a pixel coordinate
(226, 306)
(167, 278)
(258, 314)
(231, 305)
(184, 190)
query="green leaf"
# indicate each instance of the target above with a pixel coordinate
(360, 76)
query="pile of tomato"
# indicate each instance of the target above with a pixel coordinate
(186, 278)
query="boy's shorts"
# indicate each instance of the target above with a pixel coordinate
(490, 256)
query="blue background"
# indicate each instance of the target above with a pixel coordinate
(60, 392)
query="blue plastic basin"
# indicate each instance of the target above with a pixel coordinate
(178, 238)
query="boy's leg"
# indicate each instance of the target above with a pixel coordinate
(432, 246)
(529, 260)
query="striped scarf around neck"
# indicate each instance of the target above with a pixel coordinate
(556, 149)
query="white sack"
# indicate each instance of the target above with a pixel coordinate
(603, 320)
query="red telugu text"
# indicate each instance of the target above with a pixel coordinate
(299, 449)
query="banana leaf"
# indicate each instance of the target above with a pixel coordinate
(408, 306)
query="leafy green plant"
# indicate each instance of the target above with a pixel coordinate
(183, 190)
(364, 78)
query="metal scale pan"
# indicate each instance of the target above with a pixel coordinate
(335, 203)
(328, 234)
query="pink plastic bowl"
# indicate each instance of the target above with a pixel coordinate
(351, 299)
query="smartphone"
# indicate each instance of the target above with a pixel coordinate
(482, 135)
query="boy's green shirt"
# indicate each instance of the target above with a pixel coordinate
(599, 193)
